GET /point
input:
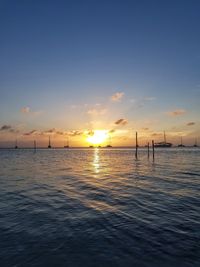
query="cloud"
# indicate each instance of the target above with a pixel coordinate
(60, 133)
(90, 133)
(25, 110)
(50, 131)
(53, 131)
(112, 131)
(156, 134)
(121, 122)
(96, 112)
(5, 128)
(145, 129)
(31, 133)
(8, 128)
(142, 102)
(177, 112)
(191, 123)
(117, 97)
(75, 133)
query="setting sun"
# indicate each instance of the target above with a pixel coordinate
(98, 137)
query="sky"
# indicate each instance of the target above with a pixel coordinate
(69, 68)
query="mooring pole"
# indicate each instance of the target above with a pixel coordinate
(136, 145)
(148, 150)
(153, 148)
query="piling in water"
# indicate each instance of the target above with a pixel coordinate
(153, 148)
(148, 150)
(136, 145)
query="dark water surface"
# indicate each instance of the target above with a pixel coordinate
(99, 207)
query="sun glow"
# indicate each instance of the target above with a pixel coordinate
(98, 137)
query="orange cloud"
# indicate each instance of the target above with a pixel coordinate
(75, 133)
(117, 96)
(25, 110)
(31, 133)
(177, 112)
(121, 122)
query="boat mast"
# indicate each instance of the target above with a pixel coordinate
(164, 137)
(195, 142)
(49, 146)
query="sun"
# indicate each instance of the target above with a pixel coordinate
(98, 137)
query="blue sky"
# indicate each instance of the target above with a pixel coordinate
(62, 61)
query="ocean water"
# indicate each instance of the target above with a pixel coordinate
(99, 207)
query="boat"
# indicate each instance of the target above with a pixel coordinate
(49, 145)
(16, 145)
(67, 145)
(109, 144)
(163, 143)
(195, 143)
(181, 144)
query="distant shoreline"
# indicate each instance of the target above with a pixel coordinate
(95, 147)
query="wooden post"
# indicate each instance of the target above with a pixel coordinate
(153, 148)
(136, 145)
(148, 150)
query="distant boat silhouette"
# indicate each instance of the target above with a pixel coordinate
(16, 146)
(67, 146)
(164, 143)
(49, 146)
(181, 144)
(195, 143)
(109, 144)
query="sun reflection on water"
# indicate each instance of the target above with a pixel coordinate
(96, 163)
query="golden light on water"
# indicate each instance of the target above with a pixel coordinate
(98, 137)
(96, 164)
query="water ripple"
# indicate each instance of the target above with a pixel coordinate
(99, 207)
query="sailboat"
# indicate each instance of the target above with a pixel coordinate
(195, 143)
(181, 144)
(49, 146)
(67, 146)
(164, 143)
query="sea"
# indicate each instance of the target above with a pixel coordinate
(100, 207)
